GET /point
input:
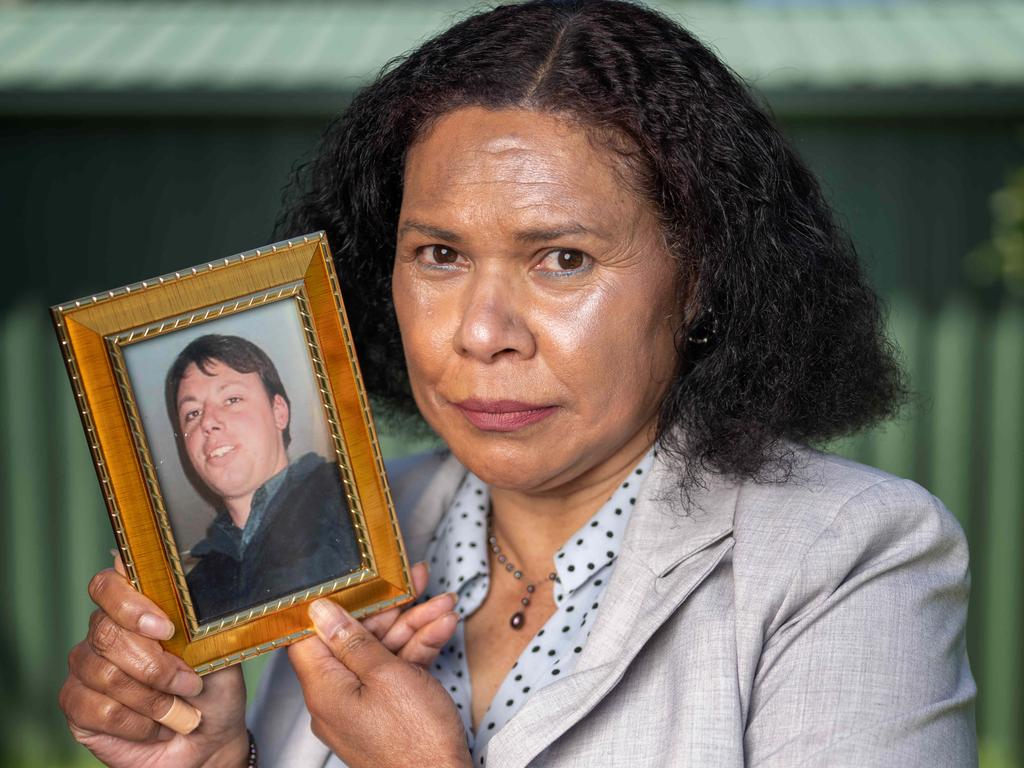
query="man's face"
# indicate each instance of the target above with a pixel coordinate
(233, 431)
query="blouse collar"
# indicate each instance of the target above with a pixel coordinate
(457, 553)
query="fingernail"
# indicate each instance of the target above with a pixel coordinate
(451, 596)
(329, 619)
(181, 717)
(156, 627)
(186, 683)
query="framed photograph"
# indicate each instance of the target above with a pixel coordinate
(235, 448)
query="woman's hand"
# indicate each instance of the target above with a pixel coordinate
(371, 706)
(131, 703)
(419, 633)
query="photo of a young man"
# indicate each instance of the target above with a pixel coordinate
(281, 524)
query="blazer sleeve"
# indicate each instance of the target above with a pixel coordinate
(865, 663)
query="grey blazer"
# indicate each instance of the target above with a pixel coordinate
(816, 622)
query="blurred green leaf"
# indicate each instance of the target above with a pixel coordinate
(1001, 259)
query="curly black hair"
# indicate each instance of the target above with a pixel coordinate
(796, 349)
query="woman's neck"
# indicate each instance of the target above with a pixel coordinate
(531, 526)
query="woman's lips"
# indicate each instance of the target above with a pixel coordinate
(502, 415)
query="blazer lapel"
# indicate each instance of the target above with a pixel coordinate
(669, 549)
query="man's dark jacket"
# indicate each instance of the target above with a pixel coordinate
(305, 537)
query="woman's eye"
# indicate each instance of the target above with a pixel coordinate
(437, 254)
(189, 416)
(565, 260)
(234, 399)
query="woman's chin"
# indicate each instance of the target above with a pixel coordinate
(524, 467)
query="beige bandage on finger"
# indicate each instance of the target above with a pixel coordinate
(181, 717)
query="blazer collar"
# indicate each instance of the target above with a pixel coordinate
(667, 528)
(670, 542)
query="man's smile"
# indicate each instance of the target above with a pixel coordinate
(219, 451)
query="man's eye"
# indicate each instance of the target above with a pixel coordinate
(565, 260)
(437, 254)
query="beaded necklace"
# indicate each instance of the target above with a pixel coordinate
(518, 619)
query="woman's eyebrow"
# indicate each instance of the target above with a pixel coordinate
(538, 234)
(428, 230)
(556, 232)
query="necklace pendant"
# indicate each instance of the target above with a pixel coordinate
(517, 621)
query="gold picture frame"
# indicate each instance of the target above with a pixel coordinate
(116, 346)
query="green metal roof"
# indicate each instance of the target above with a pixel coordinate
(245, 57)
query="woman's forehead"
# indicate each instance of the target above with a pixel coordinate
(518, 159)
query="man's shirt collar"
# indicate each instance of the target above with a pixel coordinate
(258, 509)
(227, 538)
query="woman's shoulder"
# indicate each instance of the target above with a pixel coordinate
(410, 476)
(422, 486)
(835, 525)
(850, 583)
(823, 492)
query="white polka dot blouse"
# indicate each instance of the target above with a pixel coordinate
(458, 560)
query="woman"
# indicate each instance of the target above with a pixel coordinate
(568, 235)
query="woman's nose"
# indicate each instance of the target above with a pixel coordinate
(494, 321)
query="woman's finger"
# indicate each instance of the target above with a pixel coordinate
(348, 640)
(380, 623)
(90, 712)
(420, 574)
(427, 642)
(317, 669)
(141, 658)
(128, 607)
(102, 676)
(415, 618)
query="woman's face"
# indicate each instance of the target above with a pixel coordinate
(536, 298)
